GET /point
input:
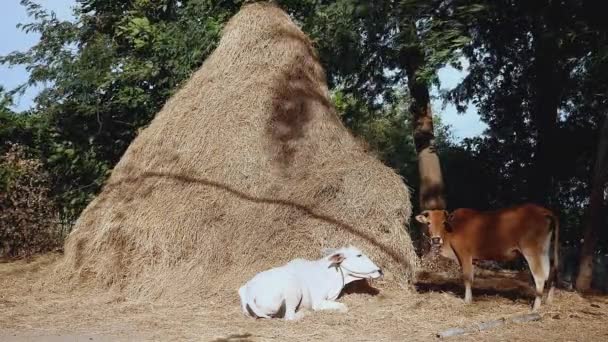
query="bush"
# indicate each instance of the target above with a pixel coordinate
(28, 216)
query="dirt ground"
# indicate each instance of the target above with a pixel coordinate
(33, 311)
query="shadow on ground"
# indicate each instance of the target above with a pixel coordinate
(514, 287)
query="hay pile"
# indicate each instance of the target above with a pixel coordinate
(245, 168)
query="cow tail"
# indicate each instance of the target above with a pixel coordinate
(554, 225)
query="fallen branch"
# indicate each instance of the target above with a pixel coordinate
(489, 325)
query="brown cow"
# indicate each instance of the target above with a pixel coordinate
(466, 235)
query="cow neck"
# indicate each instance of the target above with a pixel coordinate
(337, 273)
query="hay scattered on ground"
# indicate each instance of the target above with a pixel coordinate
(39, 313)
(245, 168)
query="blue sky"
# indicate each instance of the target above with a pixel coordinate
(11, 39)
(465, 125)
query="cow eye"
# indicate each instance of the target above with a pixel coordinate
(359, 255)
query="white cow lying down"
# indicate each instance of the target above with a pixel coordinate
(281, 291)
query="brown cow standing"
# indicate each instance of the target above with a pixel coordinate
(466, 235)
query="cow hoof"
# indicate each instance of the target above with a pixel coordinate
(550, 296)
(299, 315)
(536, 305)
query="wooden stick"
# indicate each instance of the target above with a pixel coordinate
(489, 325)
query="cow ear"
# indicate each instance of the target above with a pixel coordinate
(336, 259)
(448, 216)
(423, 217)
(328, 251)
(448, 221)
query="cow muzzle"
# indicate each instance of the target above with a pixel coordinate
(436, 241)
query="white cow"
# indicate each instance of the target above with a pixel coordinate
(281, 291)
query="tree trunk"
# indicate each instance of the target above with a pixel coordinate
(594, 218)
(546, 86)
(431, 181)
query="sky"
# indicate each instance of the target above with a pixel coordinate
(465, 125)
(12, 39)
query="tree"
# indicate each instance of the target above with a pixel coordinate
(535, 76)
(431, 190)
(109, 72)
(16, 128)
(595, 211)
(370, 58)
(388, 131)
(7, 121)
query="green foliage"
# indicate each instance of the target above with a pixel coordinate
(110, 71)
(387, 130)
(365, 45)
(529, 61)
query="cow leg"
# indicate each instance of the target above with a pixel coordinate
(467, 273)
(552, 278)
(291, 305)
(329, 305)
(299, 315)
(466, 263)
(539, 266)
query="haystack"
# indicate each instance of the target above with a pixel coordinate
(245, 168)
